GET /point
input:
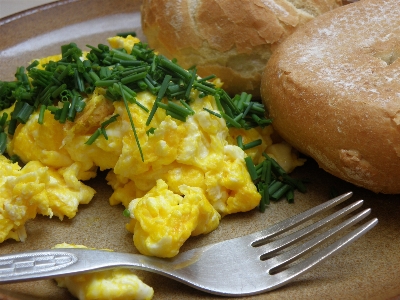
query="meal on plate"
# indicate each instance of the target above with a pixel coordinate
(179, 151)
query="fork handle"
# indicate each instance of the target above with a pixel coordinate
(65, 262)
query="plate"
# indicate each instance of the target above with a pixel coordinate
(368, 269)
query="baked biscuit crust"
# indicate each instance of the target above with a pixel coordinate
(333, 91)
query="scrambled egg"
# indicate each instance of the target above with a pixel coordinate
(193, 174)
(37, 189)
(165, 220)
(117, 284)
(201, 153)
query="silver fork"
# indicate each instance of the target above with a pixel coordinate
(242, 266)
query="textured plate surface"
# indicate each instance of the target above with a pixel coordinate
(369, 269)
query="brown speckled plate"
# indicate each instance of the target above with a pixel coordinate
(369, 269)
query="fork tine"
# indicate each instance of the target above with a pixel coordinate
(283, 259)
(291, 273)
(264, 235)
(288, 240)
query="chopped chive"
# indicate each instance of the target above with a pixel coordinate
(290, 196)
(252, 144)
(263, 189)
(149, 84)
(58, 90)
(266, 194)
(129, 94)
(12, 125)
(142, 85)
(263, 171)
(162, 105)
(103, 132)
(150, 131)
(142, 106)
(57, 114)
(52, 109)
(241, 101)
(126, 213)
(133, 78)
(275, 186)
(281, 172)
(130, 63)
(79, 85)
(105, 83)
(281, 191)
(3, 119)
(93, 137)
(262, 205)
(104, 72)
(239, 141)
(248, 108)
(165, 62)
(87, 77)
(125, 34)
(110, 120)
(218, 102)
(80, 104)
(228, 101)
(72, 108)
(176, 115)
(121, 55)
(131, 120)
(251, 168)
(212, 112)
(177, 94)
(94, 76)
(64, 73)
(204, 88)
(41, 113)
(174, 88)
(99, 51)
(187, 107)
(64, 112)
(32, 65)
(190, 84)
(238, 117)
(226, 109)
(181, 110)
(24, 113)
(160, 95)
(230, 120)
(206, 78)
(266, 174)
(259, 169)
(256, 107)
(87, 64)
(3, 142)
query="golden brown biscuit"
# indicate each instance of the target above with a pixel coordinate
(232, 39)
(333, 91)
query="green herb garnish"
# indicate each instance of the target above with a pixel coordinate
(126, 213)
(122, 74)
(271, 180)
(101, 131)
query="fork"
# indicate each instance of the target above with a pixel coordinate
(242, 266)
